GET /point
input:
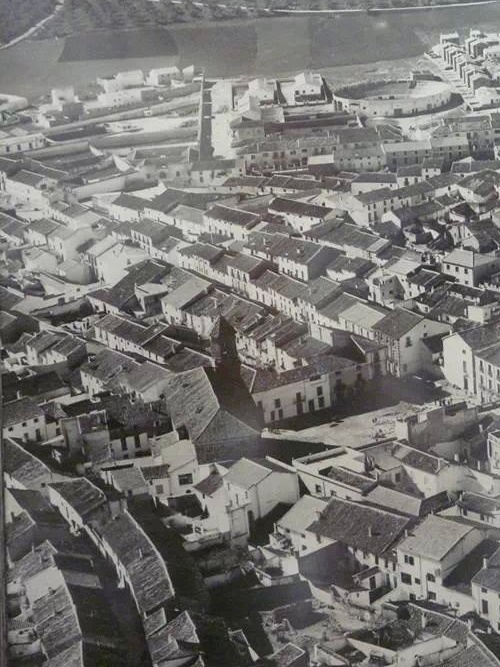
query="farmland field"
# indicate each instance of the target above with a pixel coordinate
(235, 48)
(119, 44)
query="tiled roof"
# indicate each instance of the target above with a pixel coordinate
(83, 496)
(435, 537)
(360, 526)
(210, 484)
(397, 323)
(21, 410)
(150, 583)
(25, 468)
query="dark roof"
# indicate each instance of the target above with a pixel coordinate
(36, 506)
(295, 207)
(210, 484)
(233, 216)
(397, 323)
(172, 198)
(129, 201)
(247, 601)
(23, 466)
(149, 580)
(21, 410)
(211, 406)
(362, 527)
(81, 495)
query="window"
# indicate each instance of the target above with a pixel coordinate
(124, 445)
(277, 402)
(405, 578)
(319, 391)
(137, 441)
(408, 342)
(409, 560)
(186, 478)
(430, 577)
(321, 402)
(318, 489)
(417, 580)
(431, 595)
(484, 606)
(159, 488)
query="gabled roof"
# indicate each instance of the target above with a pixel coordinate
(20, 411)
(247, 473)
(148, 576)
(397, 323)
(298, 518)
(435, 537)
(80, 494)
(25, 468)
(360, 526)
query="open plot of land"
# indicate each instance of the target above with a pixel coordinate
(271, 46)
(119, 44)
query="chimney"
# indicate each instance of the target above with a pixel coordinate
(370, 531)
(485, 563)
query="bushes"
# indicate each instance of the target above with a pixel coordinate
(18, 16)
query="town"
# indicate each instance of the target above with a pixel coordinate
(250, 368)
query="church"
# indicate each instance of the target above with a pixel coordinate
(213, 405)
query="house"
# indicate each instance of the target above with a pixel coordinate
(235, 496)
(468, 267)
(259, 485)
(429, 554)
(461, 365)
(289, 530)
(138, 564)
(25, 420)
(412, 637)
(23, 470)
(232, 222)
(33, 188)
(403, 332)
(486, 589)
(46, 348)
(111, 264)
(172, 469)
(369, 533)
(336, 472)
(65, 635)
(323, 383)
(80, 502)
(300, 215)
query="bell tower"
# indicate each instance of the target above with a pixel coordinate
(223, 348)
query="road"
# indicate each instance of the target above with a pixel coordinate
(205, 130)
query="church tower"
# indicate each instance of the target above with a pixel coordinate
(223, 348)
